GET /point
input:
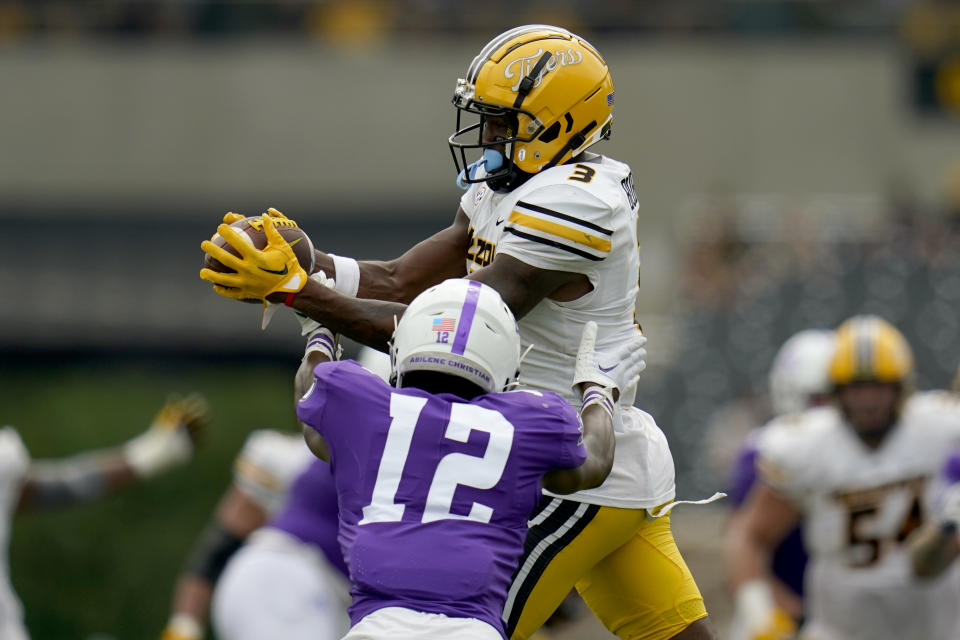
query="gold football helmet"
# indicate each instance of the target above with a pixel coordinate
(870, 349)
(553, 91)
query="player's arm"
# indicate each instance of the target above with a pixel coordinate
(168, 442)
(522, 286)
(321, 347)
(937, 544)
(599, 390)
(429, 262)
(438, 258)
(743, 478)
(315, 442)
(765, 520)
(371, 322)
(237, 516)
(599, 443)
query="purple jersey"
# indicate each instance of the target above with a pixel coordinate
(951, 469)
(310, 512)
(434, 490)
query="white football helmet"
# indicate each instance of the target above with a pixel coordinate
(376, 361)
(800, 370)
(462, 328)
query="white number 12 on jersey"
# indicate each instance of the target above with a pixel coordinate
(452, 470)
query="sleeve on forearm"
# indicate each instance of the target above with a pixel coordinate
(58, 483)
(212, 551)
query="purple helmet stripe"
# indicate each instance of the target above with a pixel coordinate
(466, 317)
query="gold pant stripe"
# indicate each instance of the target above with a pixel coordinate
(627, 569)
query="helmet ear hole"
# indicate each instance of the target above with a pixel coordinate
(551, 133)
(569, 120)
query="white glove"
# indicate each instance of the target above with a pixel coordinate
(613, 369)
(757, 617)
(309, 325)
(169, 440)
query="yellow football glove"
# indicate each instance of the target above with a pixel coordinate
(756, 613)
(230, 217)
(780, 627)
(259, 273)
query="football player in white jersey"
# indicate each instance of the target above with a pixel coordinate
(552, 227)
(267, 465)
(859, 474)
(262, 473)
(798, 380)
(27, 484)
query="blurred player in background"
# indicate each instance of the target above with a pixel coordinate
(553, 229)
(439, 474)
(289, 579)
(265, 559)
(263, 472)
(858, 474)
(47, 484)
(798, 380)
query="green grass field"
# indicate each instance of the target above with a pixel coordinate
(108, 567)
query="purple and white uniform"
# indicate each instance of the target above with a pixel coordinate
(311, 514)
(289, 579)
(434, 490)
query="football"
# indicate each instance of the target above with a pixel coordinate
(251, 230)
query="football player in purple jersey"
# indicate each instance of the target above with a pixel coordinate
(439, 473)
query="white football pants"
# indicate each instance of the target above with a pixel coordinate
(278, 587)
(392, 623)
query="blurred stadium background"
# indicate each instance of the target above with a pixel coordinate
(798, 161)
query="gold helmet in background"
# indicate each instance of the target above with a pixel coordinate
(870, 349)
(553, 90)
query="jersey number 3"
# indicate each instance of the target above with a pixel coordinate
(453, 469)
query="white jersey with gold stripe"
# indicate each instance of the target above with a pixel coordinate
(14, 462)
(582, 218)
(858, 506)
(268, 463)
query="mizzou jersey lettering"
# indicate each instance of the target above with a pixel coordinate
(480, 253)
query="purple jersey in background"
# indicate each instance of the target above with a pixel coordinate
(434, 490)
(951, 469)
(310, 513)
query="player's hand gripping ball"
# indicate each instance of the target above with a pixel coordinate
(250, 230)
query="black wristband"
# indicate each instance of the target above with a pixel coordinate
(211, 552)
